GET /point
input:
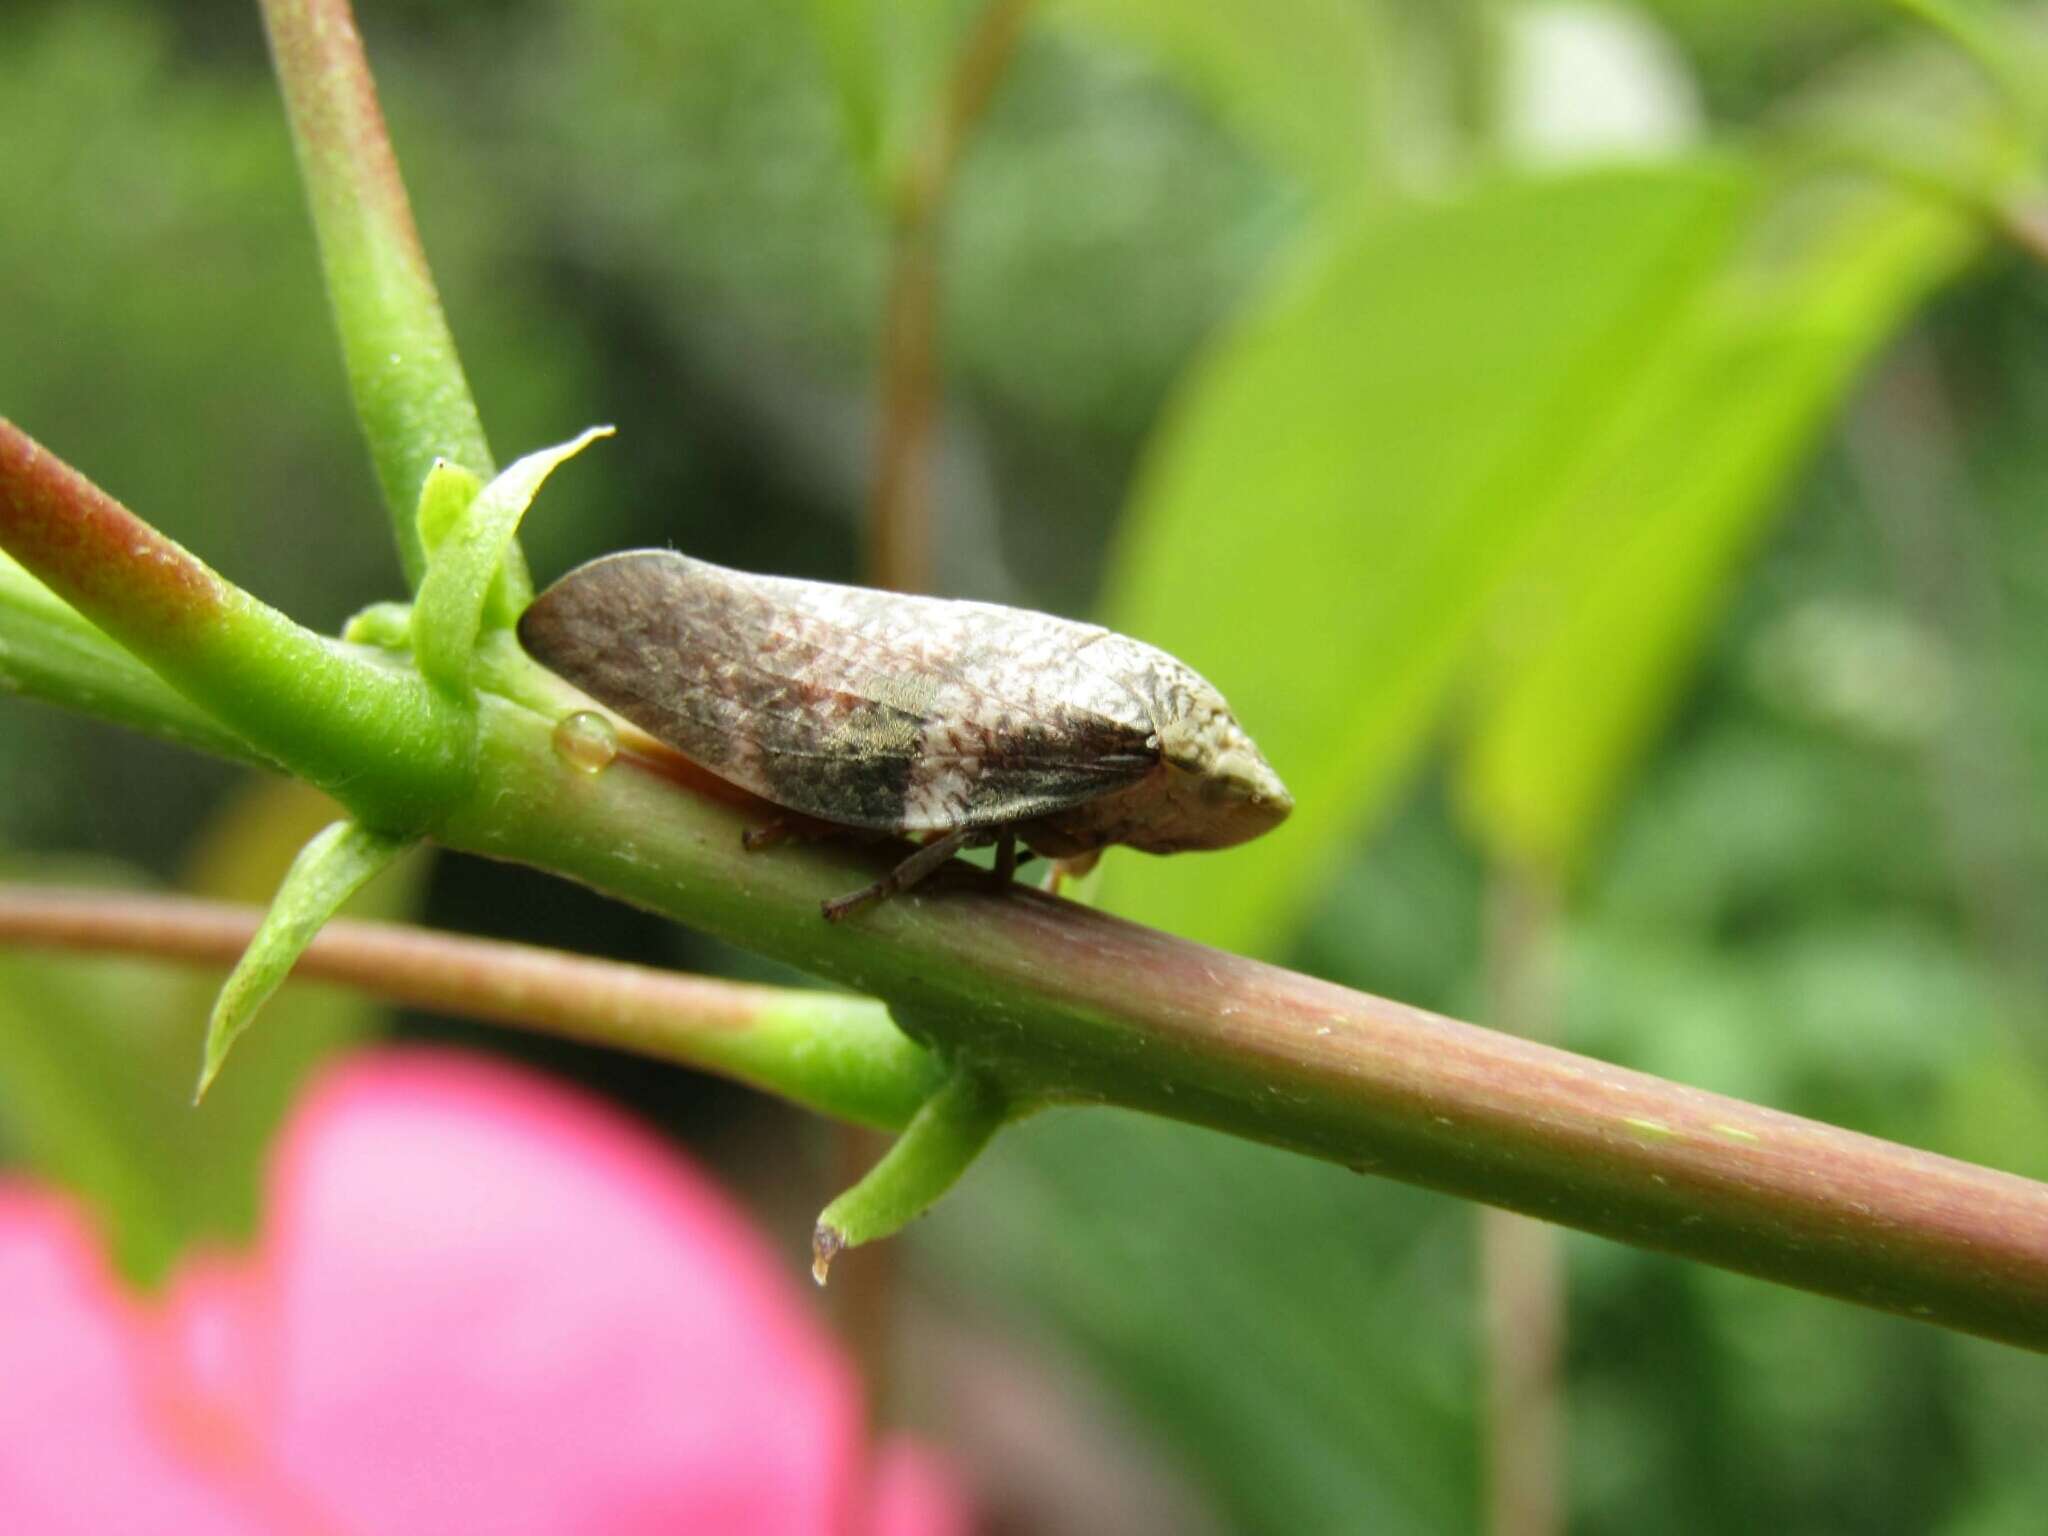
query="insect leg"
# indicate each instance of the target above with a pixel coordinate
(901, 878)
(1009, 858)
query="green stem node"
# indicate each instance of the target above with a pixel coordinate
(943, 1137)
(373, 735)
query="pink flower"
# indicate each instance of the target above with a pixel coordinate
(481, 1305)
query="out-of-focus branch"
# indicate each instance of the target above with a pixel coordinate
(835, 1054)
(900, 543)
(1521, 1262)
(1902, 451)
(899, 510)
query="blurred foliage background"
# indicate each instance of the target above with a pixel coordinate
(1598, 448)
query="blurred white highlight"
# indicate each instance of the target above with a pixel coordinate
(1588, 82)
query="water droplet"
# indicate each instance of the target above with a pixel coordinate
(586, 741)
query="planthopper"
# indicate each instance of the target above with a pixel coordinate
(957, 723)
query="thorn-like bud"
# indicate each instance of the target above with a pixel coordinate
(826, 1242)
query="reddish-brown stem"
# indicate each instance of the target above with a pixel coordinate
(1141, 1019)
(900, 499)
(2026, 222)
(1902, 450)
(1521, 1262)
(291, 695)
(332, 100)
(438, 972)
(96, 554)
(899, 509)
(721, 1026)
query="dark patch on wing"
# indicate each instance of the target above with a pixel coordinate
(861, 780)
(1036, 771)
(790, 705)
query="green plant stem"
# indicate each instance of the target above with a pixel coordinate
(1048, 1001)
(371, 734)
(410, 392)
(832, 1053)
(942, 1139)
(1051, 1001)
(900, 542)
(48, 651)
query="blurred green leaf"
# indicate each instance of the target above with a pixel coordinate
(1994, 1110)
(1300, 79)
(75, 1100)
(169, 286)
(1348, 480)
(2006, 52)
(1641, 541)
(1298, 1336)
(888, 60)
(96, 1054)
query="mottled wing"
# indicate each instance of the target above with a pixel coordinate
(866, 708)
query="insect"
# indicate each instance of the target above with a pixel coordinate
(962, 723)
